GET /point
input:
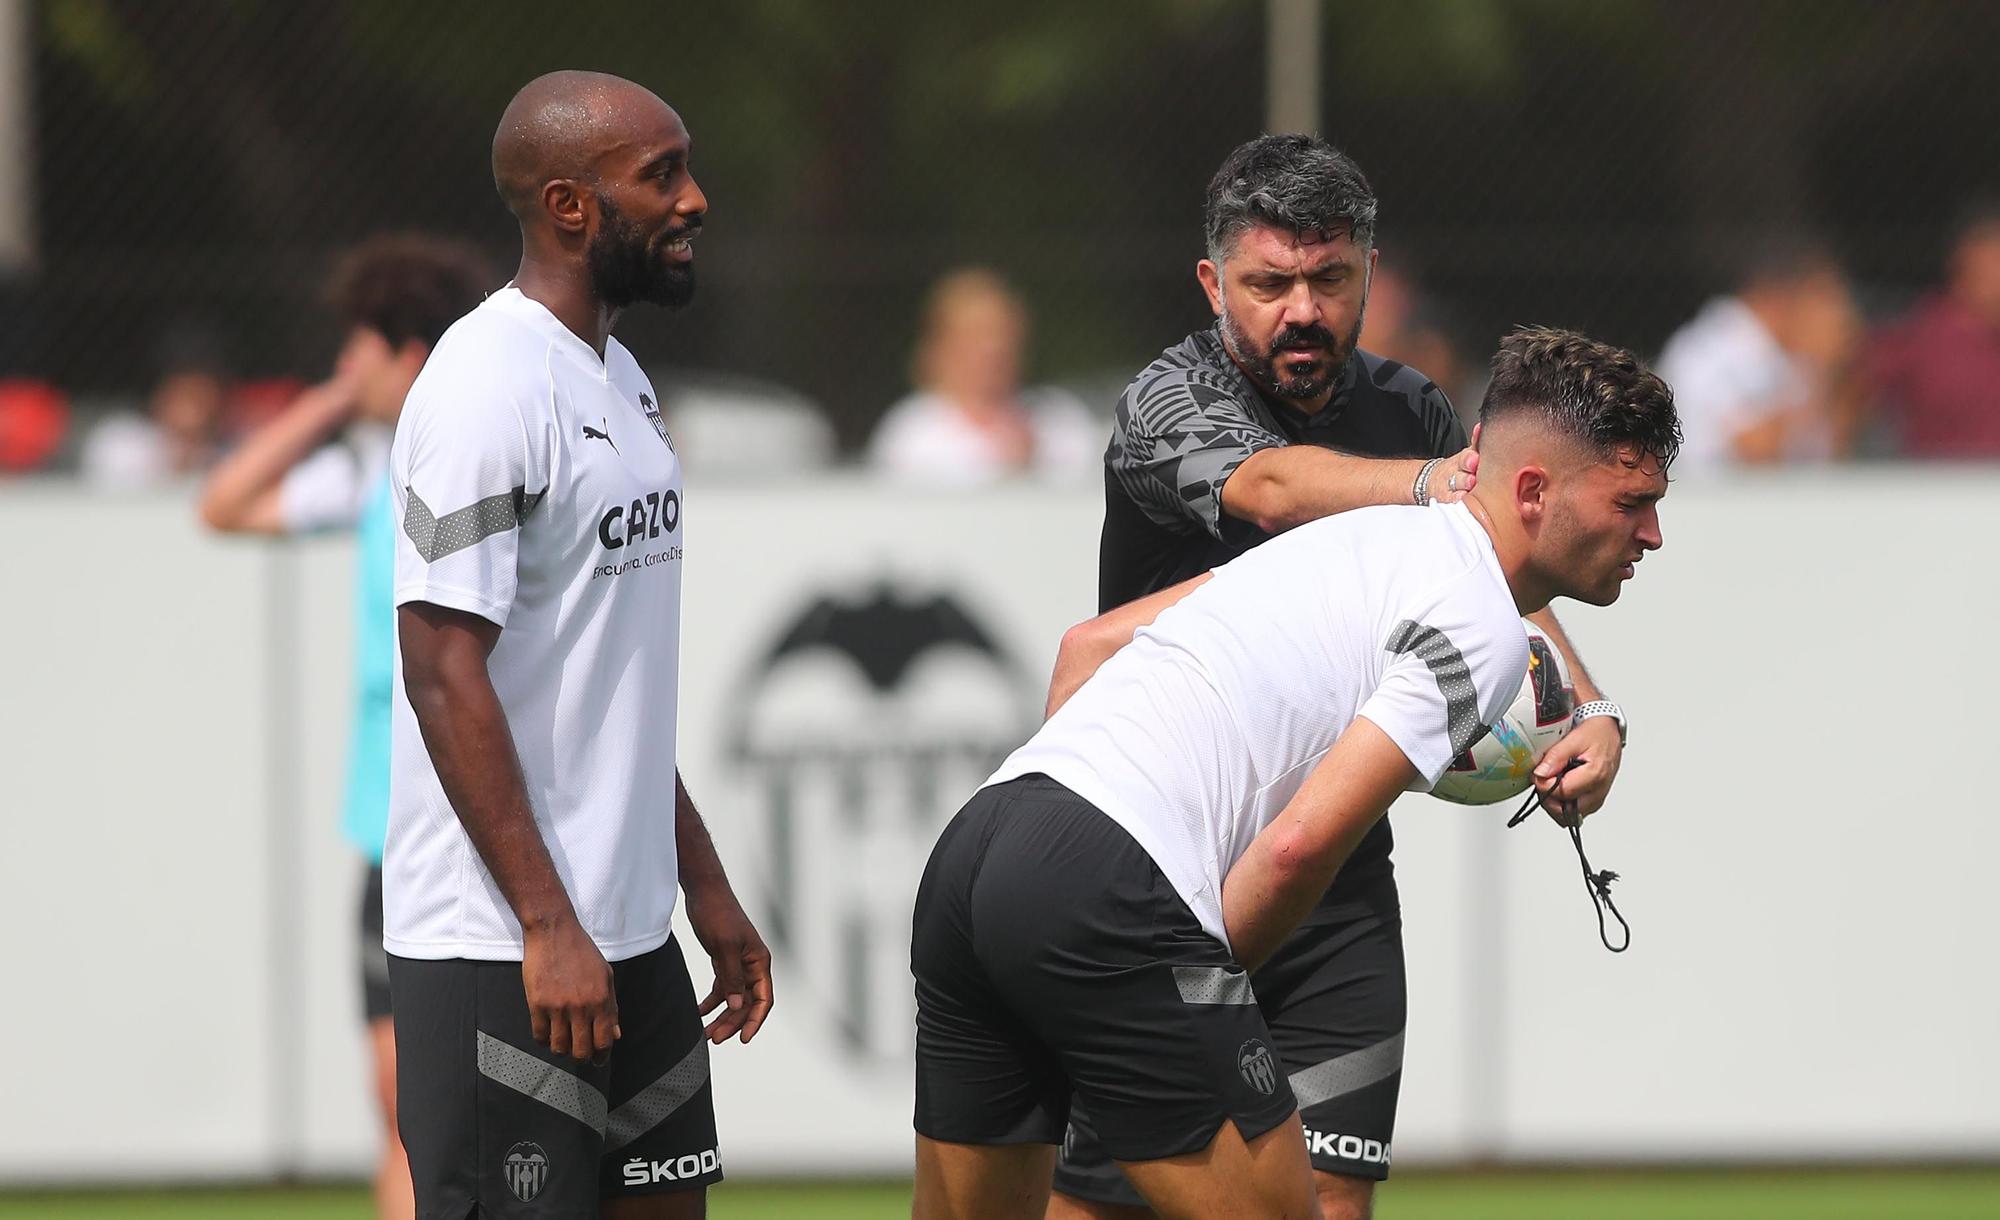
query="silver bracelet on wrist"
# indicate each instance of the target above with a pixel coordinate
(1421, 493)
(1600, 707)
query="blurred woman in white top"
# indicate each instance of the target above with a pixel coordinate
(970, 420)
(1761, 377)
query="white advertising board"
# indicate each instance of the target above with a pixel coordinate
(1800, 825)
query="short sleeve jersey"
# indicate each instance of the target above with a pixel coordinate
(1183, 427)
(1199, 732)
(535, 486)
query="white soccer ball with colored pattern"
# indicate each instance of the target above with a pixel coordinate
(1502, 763)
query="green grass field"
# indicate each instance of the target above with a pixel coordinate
(1690, 1195)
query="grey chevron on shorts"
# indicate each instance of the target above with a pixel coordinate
(435, 536)
(655, 1103)
(1348, 1073)
(541, 1080)
(1213, 985)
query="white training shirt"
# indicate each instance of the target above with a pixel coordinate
(926, 440)
(330, 488)
(1195, 735)
(536, 487)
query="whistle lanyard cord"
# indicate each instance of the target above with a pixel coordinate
(1596, 884)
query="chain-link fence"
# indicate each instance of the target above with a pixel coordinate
(194, 165)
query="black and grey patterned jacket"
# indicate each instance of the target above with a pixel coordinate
(1191, 418)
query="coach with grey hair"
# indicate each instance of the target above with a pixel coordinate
(1270, 419)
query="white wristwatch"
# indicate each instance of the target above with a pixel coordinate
(1600, 707)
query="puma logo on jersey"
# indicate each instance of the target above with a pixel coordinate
(592, 434)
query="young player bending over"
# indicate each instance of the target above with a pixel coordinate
(1084, 925)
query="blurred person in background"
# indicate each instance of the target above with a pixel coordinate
(322, 464)
(185, 427)
(1272, 418)
(1937, 372)
(1761, 376)
(970, 420)
(1402, 325)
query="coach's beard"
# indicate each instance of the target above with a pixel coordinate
(625, 267)
(1262, 367)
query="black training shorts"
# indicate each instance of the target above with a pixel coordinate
(1333, 996)
(493, 1118)
(1053, 958)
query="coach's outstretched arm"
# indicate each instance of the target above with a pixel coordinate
(1291, 862)
(1091, 643)
(1288, 485)
(738, 955)
(571, 1003)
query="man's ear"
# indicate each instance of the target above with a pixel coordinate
(567, 204)
(1532, 489)
(1210, 276)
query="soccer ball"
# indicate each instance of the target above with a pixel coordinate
(1502, 763)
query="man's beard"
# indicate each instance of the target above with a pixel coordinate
(625, 267)
(1262, 366)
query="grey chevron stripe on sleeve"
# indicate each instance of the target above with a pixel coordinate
(435, 536)
(1454, 678)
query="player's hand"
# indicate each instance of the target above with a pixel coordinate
(335, 401)
(742, 963)
(1573, 794)
(1454, 478)
(572, 1003)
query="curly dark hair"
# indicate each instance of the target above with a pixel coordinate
(1599, 394)
(409, 286)
(1297, 183)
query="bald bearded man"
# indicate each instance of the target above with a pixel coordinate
(553, 1058)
